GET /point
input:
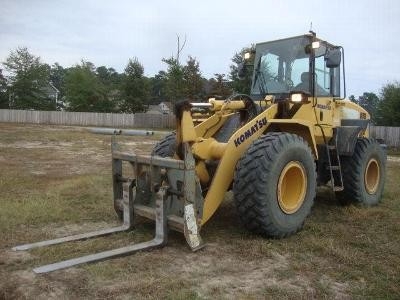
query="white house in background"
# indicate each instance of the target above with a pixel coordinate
(165, 107)
(49, 91)
(162, 108)
(53, 93)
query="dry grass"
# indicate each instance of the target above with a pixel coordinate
(57, 180)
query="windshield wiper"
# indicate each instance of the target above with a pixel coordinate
(262, 85)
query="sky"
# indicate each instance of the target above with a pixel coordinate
(110, 32)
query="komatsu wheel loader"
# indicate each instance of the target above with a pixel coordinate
(271, 148)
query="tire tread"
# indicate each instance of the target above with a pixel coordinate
(249, 185)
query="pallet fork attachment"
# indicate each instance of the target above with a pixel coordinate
(159, 240)
(156, 205)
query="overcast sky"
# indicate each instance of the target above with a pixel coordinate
(110, 32)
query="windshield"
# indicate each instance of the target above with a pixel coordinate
(281, 66)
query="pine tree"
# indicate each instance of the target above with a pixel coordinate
(135, 88)
(193, 83)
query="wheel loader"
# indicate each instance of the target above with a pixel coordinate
(272, 148)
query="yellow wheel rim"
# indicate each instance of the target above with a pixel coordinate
(372, 176)
(292, 187)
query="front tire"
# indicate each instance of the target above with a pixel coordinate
(166, 147)
(363, 174)
(274, 185)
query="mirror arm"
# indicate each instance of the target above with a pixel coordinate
(344, 74)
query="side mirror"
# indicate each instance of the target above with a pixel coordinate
(333, 57)
(242, 70)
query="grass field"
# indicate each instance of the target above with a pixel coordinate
(57, 180)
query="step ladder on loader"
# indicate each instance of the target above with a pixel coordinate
(163, 189)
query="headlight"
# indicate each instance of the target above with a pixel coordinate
(299, 97)
(296, 97)
(315, 45)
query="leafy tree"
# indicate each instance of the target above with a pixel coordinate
(219, 87)
(57, 76)
(29, 79)
(57, 79)
(3, 91)
(111, 81)
(388, 111)
(353, 99)
(84, 91)
(135, 88)
(192, 79)
(158, 87)
(242, 85)
(108, 76)
(370, 102)
(174, 86)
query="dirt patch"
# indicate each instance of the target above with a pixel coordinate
(394, 159)
(69, 158)
(28, 285)
(241, 277)
(20, 284)
(9, 256)
(36, 145)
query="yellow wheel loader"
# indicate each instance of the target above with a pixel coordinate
(271, 148)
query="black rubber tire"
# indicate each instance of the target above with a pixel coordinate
(256, 181)
(354, 169)
(165, 147)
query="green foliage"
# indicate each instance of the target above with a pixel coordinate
(388, 111)
(108, 76)
(174, 87)
(219, 87)
(192, 79)
(111, 82)
(370, 102)
(29, 81)
(158, 87)
(241, 85)
(182, 81)
(3, 91)
(84, 90)
(57, 79)
(135, 88)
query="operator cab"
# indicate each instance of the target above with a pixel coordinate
(300, 64)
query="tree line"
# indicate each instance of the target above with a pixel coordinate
(86, 87)
(383, 108)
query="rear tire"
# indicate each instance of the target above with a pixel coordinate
(363, 174)
(166, 146)
(274, 185)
